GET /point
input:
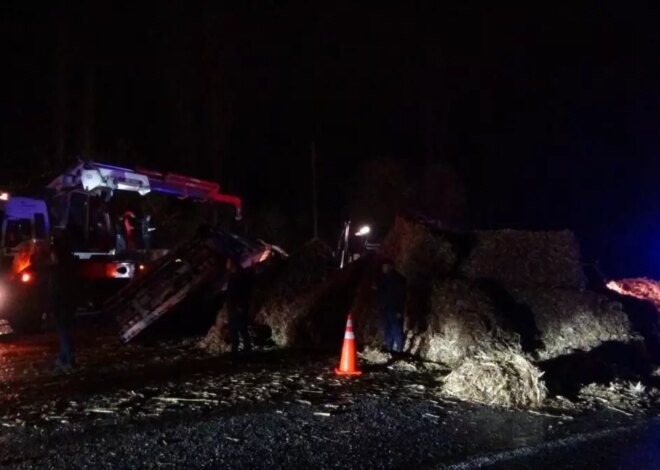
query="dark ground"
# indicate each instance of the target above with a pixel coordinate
(169, 405)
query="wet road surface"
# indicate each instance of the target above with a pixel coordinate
(169, 405)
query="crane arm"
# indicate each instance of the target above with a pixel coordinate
(93, 176)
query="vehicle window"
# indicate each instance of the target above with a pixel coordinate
(40, 226)
(77, 218)
(58, 210)
(18, 231)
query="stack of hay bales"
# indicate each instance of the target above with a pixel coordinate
(493, 305)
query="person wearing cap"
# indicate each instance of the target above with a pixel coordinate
(391, 295)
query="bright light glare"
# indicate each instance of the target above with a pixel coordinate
(26, 277)
(364, 230)
(4, 196)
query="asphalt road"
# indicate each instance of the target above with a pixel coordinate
(168, 405)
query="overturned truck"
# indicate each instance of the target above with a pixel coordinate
(193, 268)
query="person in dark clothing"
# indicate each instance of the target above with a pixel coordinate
(391, 291)
(60, 301)
(120, 240)
(239, 286)
(146, 229)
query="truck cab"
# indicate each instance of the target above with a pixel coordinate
(25, 227)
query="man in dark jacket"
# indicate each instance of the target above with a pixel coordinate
(60, 300)
(239, 287)
(391, 290)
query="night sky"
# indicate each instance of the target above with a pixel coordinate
(547, 117)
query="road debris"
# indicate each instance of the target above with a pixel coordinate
(624, 397)
(101, 410)
(371, 355)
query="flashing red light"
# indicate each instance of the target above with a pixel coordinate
(142, 267)
(26, 278)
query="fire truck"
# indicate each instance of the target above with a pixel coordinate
(108, 249)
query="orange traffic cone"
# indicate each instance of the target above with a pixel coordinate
(348, 362)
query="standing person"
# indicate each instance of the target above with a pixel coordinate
(239, 285)
(120, 240)
(129, 229)
(391, 290)
(60, 300)
(145, 227)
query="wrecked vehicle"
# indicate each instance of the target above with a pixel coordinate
(193, 267)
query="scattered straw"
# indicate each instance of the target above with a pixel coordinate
(374, 356)
(620, 396)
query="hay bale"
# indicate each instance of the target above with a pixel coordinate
(461, 321)
(497, 377)
(417, 251)
(308, 311)
(525, 259)
(305, 269)
(366, 323)
(217, 340)
(283, 317)
(282, 294)
(420, 254)
(569, 320)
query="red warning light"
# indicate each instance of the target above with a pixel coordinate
(26, 277)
